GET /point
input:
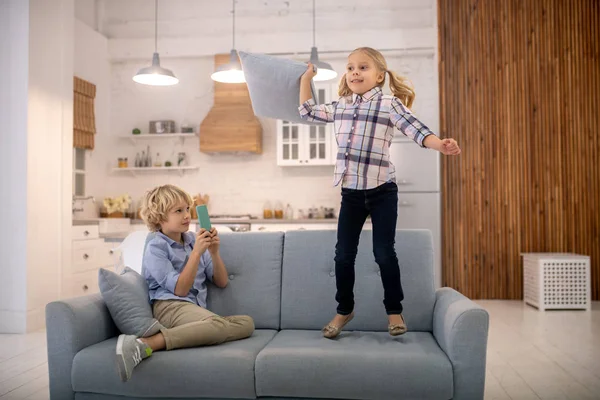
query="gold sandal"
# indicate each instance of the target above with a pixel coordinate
(398, 329)
(332, 331)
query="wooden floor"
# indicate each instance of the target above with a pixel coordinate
(23, 366)
(542, 355)
(531, 355)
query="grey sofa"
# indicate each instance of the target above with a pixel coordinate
(287, 284)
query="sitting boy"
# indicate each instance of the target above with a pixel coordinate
(176, 265)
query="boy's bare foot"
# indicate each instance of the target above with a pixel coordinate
(396, 326)
(336, 325)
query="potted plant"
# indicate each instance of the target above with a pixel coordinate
(116, 207)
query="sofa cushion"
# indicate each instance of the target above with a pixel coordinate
(126, 296)
(253, 261)
(357, 365)
(274, 85)
(96, 396)
(220, 371)
(308, 286)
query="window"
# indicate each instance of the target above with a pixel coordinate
(79, 172)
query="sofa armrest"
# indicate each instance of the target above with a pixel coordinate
(72, 325)
(461, 329)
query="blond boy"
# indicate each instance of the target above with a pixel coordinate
(176, 264)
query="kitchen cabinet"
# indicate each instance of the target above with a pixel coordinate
(298, 226)
(307, 145)
(290, 226)
(422, 211)
(89, 253)
(81, 284)
(85, 232)
(418, 179)
(417, 169)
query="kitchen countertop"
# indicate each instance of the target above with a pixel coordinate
(292, 221)
(115, 237)
(79, 222)
(216, 221)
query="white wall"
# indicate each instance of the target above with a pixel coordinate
(14, 37)
(37, 113)
(49, 152)
(237, 184)
(91, 63)
(241, 184)
(86, 11)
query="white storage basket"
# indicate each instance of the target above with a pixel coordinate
(556, 281)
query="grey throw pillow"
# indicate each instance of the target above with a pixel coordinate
(274, 85)
(126, 296)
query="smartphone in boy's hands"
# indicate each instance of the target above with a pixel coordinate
(204, 222)
(203, 218)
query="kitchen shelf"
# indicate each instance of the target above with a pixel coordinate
(159, 136)
(137, 170)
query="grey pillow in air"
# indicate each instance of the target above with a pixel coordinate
(126, 296)
(274, 85)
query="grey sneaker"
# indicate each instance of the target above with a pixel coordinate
(130, 353)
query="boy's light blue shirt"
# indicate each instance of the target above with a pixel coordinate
(164, 259)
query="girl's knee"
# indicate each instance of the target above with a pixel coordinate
(345, 256)
(384, 252)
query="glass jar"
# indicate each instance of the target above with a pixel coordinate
(289, 212)
(267, 211)
(278, 210)
(157, 161)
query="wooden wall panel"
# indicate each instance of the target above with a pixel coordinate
(520, 91)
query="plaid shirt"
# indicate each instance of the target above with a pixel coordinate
(364, 128)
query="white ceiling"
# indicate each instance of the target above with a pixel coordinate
(134, 19)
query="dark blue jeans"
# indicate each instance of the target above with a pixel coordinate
(382, 204)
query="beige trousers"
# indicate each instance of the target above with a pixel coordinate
(189, 325)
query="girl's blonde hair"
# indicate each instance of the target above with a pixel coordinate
(400, 86)
(157, 203)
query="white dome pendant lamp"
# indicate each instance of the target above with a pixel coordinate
(325, 71)
(232, 71)
(156, 75)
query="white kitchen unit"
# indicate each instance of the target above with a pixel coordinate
(220, 227)
(307, 145)
(418, 179)
(417, 169)
(113, 225)
(89, 253)
(291, 226)
(223, 228)
(284, 226)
